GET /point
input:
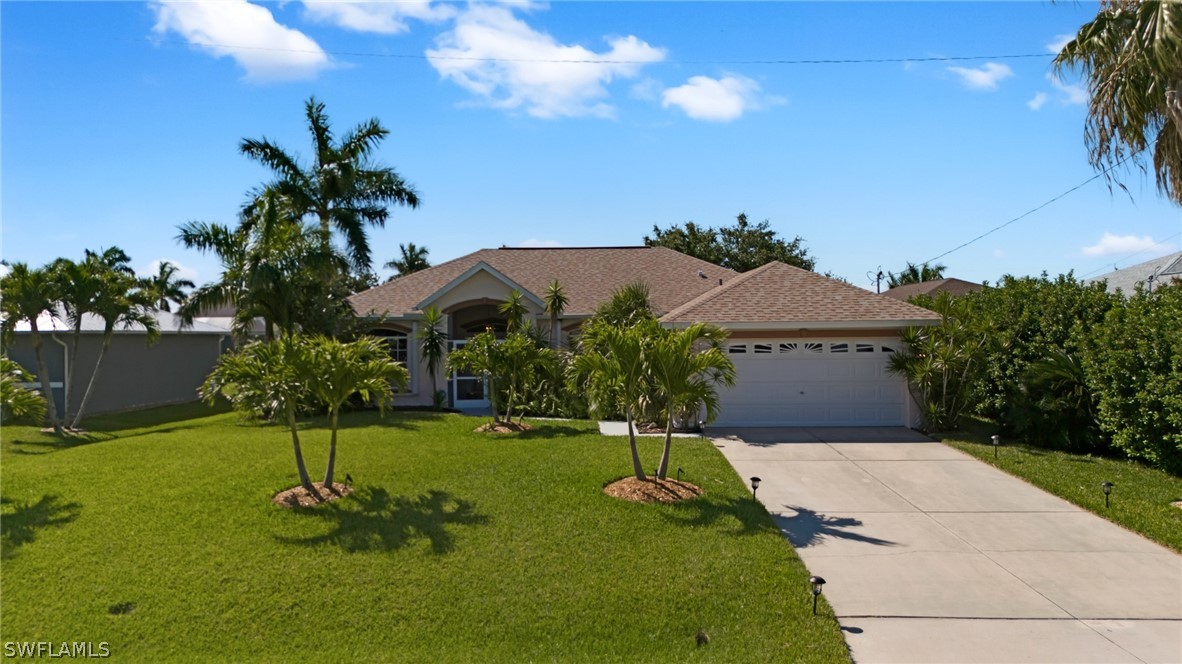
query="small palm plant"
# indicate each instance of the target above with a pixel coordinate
(433, 345)
(16, 401)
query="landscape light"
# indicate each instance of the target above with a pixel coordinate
(679, 471)
(816, 582)
(996, 444)
(1107, 487)
(754, 485)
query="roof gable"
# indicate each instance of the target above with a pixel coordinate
(781, 294)
(470, 274)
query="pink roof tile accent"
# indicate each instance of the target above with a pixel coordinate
(780, 293)
(587, 274)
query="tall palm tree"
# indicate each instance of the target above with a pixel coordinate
(432, 344)
(915, 274)
(341, 189)
(617, 376)
(556, 301)
(1131, 56)
(78, 287)
(266, 379)
(412, 259)
(514, 310)
(687, 366)
(165, 286)
(24, 295)
(338, 370)
(120, 302)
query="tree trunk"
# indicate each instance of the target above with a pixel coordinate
(98, 364)
(492, 399)
(637, 468)
(664, 467)
(305, 481)
(332, 451)
(69, 389)
(554, 331)
(43, 376)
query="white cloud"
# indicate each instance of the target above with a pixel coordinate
(247, 33)
(1072, 93)
(999, 253)
(535, 243)
(1059, 42)
(985, 77)
(716, 100)
(1110, 244)
(381, 17)
(499, 58)
(1037, 101)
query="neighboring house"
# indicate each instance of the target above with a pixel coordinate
(934, 287)
(810, 351)
(1149, 274)
(133, 375)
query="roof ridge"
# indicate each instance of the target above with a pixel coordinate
(721, 288)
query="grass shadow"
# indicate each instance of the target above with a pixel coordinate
(546, 430)
(370, 519)
(20, 522)
(808, 528)
(750, 516)
(55, 443)
(153, 417)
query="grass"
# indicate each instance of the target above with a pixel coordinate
(1140, 499)
(156, 534)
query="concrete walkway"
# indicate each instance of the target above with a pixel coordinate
(933, 556)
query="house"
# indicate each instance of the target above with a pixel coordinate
(133, 375)
(934, 287)
(809, 350)
(1149, 274)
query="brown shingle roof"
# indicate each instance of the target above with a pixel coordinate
(950, 286)
(778, 293)
(588, 275)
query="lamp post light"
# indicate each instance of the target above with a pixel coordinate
(996, 444)
(1107, 488)
(816, 582)
(679, 471)
(754, 486)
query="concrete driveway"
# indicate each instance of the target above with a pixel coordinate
(933, 556)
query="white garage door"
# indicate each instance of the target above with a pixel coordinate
(815, 382)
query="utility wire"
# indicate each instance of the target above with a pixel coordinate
(1135, 253)
(605, 61)
(1022, 216)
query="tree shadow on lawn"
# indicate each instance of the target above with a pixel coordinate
(54, 443)
(370, 519)
(20, 522)
(549, 430)
(808, 528)
(706, 511)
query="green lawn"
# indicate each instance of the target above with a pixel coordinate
(158, 536)
(1140, 499)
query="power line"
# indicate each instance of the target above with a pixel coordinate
(1022, 216)
(606, 61)
(1135, 253)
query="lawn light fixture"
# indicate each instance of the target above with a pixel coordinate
(816, 582)
(679, 472)
(996, 444)
(1107, 487)
(755, 485)
(701, 428)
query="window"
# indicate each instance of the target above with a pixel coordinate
(813, 348)
(839, 348)
(788, 348)
(863, 348)
(398, 344)
(887, 349)
(763, 348)
(737, 349)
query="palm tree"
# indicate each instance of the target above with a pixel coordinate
(266, 379)
(915, 274)
(617, 376)
(514, 310)
(338, 370)
(628, 304)
(119, 302)
(78, 286)
(24, 295)
(165, 286)
(1131, 56)
(482, 356)
(341, 189)
(17, 402)
(413, 259)
(687, 365)
(432, 344)
(556, 301)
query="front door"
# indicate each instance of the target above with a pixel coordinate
(468, 390)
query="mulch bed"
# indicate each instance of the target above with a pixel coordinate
(652, 490)
(503, 427)
(298, 496)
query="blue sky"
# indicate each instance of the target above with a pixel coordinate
(122, 120)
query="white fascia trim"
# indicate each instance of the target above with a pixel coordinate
(814, 325)
(480, 267)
